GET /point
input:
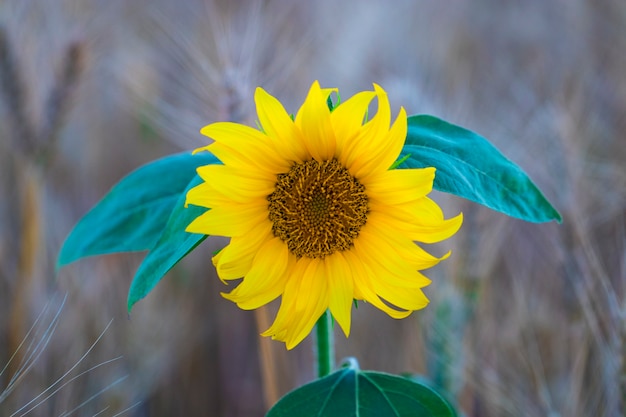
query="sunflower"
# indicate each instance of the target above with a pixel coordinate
(316, 215)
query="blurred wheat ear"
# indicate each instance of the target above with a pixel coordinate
(37, 141)
(22, 129)
(29, 151)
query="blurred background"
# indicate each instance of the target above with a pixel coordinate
(525, 319)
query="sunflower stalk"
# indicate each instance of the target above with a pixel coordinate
(325, 345)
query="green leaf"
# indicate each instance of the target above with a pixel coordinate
(470, 167)
(132, 216)
(173, 245)
(351, 392)
(329, 101)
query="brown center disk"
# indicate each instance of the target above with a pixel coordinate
(317, 208)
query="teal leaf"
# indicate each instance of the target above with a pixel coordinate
(173, 245)
(352, 392)
(470, 167)
(132, 216)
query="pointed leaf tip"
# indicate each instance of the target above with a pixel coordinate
(132, 215)
(470, 167)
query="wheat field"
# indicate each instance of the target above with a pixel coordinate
(525, 319)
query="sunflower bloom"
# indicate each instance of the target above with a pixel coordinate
(315, 214)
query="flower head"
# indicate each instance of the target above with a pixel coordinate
(316, 215)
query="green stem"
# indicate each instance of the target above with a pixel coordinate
(325, 345)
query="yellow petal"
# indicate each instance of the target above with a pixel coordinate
(420, 211)
(389, 149)
(278, 126)
(399, 185)
(376, 144)
(383, 150)
(241, 146)
(286, 313)
(203, 195)
(347, 120)
(402, 297)
(363, 288)
(396, 238)
(232, 220)
(422, 220)
(313, 119)
(312, 301)
(267, 277)
(246, 179)
(225, 185)
(240, 159)
(361, 150)
(385, 261)
(304, 300)
(235, 260)
(341, 289)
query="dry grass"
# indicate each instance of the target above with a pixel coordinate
(525, 320)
